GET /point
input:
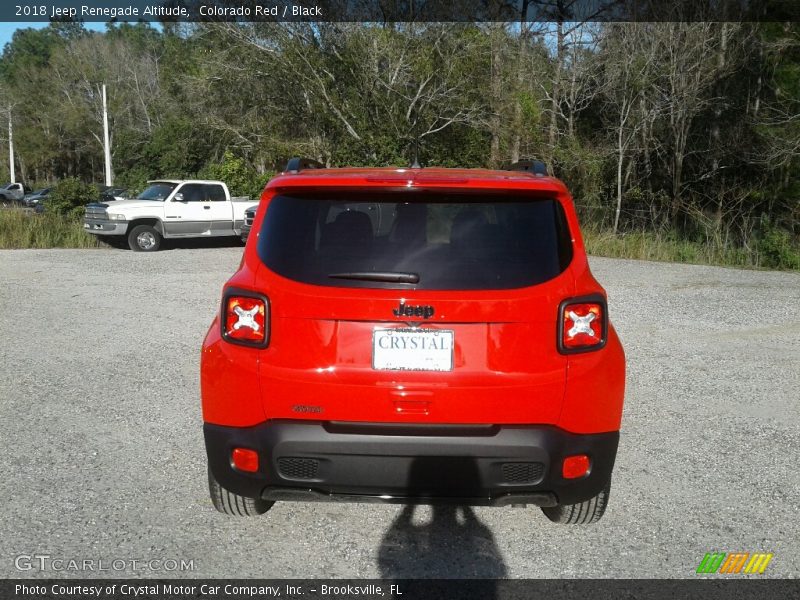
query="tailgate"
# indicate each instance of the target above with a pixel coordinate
(451, 368)
(425, 307)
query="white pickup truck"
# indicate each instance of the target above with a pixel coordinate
(168, 208)
(13, 192)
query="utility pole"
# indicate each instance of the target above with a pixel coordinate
(106, 143)
(11, 148)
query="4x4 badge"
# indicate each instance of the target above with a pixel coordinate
(408, 310)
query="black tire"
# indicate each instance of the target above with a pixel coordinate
(583, 513)
(144, 238)
(233, 504)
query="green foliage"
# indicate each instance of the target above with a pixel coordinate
(234, 102)
(176, 149)
(531, 111)
(777, 250)
(23, 229)
(69, 196)
(134, 180)
(465, 147)
(242, 180)
(583, 166)
(29, 49)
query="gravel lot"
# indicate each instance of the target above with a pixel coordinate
(102, 452)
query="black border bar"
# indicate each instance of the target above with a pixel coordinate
(388, 11)
(732, 587)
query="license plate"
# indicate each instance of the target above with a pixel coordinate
(412, 349)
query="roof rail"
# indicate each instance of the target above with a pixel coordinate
(296, 164)
(537, 167)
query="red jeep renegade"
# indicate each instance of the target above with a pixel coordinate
(414, 336)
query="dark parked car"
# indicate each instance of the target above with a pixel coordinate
(249, 217)
(37, 197)
(109, 194)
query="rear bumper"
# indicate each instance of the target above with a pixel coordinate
(476, 465)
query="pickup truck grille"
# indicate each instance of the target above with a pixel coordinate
(96, 212)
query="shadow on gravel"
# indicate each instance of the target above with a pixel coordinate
(199, 243)
(179, 244)
(454, 544)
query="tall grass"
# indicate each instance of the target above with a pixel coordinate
(667, 247)
(24, 229)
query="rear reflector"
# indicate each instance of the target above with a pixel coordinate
(583, 325)
(245, 459)
(245, 319)
(575, 466)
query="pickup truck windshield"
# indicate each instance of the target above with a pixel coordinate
(425, 241)
(157, 191)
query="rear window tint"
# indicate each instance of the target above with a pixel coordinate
(447, 242)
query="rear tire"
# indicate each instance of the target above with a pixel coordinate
(583, 513)
(233, 504)
(144, 238)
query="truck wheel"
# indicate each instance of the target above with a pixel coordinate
(144, 238)
(233, 504)
(582, 513)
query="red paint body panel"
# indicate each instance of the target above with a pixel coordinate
(229, 383)
(506, 370)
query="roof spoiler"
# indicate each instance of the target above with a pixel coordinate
(537, 167)
(297, 164)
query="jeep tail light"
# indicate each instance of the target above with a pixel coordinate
(245, 319)
(583, 325)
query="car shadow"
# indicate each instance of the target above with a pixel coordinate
(192, 243)
(453, 543)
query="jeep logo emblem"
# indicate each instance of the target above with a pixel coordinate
(408, 310)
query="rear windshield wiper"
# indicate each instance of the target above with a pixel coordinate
(389, 276)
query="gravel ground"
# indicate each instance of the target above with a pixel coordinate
(102, 452)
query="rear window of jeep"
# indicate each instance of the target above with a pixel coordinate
(430, 241)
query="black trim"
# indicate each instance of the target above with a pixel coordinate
(565, 249)
(282, 494)
(595, 298)
(234, 291)
(408, 464)
(297, 164)
(437, 429)
(537, 167)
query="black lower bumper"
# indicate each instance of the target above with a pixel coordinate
(476, 465)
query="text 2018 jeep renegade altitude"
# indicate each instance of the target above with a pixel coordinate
(417, 336)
